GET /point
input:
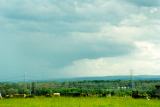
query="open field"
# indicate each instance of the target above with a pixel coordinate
(79, 102)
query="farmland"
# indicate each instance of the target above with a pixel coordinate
(95, 93)
(79, 102)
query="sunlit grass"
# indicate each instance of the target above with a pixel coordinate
(79, 102)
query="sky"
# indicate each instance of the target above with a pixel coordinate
(49, 39)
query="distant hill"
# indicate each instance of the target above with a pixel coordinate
(126, 77)
(137, 77)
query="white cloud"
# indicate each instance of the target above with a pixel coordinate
(154, 10)
(148, 50)
(145, 61)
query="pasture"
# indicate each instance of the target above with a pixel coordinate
(79, 102)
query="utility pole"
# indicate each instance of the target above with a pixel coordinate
(30, 86)
(25, 76)
(24, 82)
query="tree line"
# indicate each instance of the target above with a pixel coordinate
(80, 88)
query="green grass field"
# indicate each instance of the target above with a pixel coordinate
(78, 102)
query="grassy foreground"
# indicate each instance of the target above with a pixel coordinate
(79, 102)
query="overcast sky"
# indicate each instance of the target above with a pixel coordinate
(75, 38)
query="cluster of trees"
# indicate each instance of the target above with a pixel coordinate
(80, 88)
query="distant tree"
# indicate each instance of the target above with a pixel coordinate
(11, 91)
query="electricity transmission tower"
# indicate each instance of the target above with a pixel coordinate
(131, 79)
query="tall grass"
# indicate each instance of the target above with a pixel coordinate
(79, 102)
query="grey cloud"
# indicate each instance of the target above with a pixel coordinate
(63, 51)
(57, 16)
(39, 36)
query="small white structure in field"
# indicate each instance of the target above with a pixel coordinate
(109, 95)
(56, 94)
(0, 96)
(19, 95)
(147, 98)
